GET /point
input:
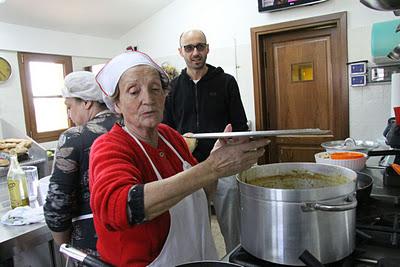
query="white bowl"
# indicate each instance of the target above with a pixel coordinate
(353, 164)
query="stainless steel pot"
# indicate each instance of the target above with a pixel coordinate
(277, 225)
(349, 144)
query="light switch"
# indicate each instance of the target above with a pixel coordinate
(358, 80)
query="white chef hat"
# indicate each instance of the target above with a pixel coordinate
(108, 77)
(83, 85)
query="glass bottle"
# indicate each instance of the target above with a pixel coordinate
(17, 185)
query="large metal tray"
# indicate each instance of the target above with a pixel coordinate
(254, 134)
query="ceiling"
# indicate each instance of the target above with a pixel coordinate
(101, 18)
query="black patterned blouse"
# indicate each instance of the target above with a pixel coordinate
(68, 199)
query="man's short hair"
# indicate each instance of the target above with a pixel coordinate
(200, 31)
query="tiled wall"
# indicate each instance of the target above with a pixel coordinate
(369, 110)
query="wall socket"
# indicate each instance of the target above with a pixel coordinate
(382, 73)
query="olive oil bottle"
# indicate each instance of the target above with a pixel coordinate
(17, 185)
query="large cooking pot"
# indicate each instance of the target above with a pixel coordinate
(278, 225)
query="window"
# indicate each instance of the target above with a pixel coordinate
(42, 77)
(302, 72)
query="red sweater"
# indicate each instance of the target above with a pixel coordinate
(117, 163)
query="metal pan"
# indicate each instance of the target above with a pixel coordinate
(364, 187)
(350, 144)
(254, 134)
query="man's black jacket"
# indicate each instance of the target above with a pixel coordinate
(207, 106)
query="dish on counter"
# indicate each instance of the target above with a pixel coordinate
(350, 145)
(349, 159)
(4, 162)
(4, 159)
(18, 145)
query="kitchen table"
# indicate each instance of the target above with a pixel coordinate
(34, 240)
(16, 239)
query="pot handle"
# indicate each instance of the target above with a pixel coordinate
(352, 204)
(350, 142)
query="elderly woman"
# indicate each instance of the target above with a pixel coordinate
(148, 203)
(67, 208)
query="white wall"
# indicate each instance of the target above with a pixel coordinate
(11, 106)
(228, 22)
(85, 51)
(27, 39)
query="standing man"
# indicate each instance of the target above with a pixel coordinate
(205, 99)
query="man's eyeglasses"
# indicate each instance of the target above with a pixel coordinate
(190, 48)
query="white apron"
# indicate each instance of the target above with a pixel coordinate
(189, 237)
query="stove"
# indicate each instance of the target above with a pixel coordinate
(378, 223)
(377, 232)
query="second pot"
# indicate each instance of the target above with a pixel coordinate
(277, 225)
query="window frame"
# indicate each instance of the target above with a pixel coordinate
(27, 96)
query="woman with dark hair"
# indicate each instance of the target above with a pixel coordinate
(67, 208)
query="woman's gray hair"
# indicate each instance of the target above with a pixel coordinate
(109, 76)
(111, 100)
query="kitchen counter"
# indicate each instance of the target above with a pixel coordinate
(379, 191)
(32, 244)
(15, 239)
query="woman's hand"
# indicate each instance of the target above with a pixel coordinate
(222, 141)
(228, 157)
(233, 155)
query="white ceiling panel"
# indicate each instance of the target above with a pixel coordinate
(101, 18)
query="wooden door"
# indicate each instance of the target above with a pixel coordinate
(303, 88)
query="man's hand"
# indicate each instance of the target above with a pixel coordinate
(191, 142)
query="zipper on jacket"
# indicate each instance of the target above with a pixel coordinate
(197, 107)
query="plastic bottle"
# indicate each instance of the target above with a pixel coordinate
(32, 181)
(17, 185)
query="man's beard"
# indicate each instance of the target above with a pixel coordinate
(200, 65)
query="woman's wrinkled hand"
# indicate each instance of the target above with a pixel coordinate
(233, 155)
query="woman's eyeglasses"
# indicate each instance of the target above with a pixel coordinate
(190, 48)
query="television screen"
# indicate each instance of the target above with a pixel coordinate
(274, 5)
